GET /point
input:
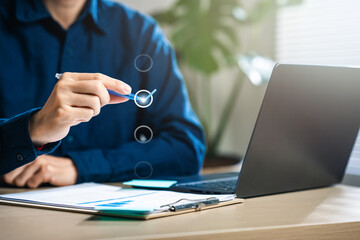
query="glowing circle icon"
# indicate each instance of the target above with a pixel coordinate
(143, 63)
(143, 170)
(143, 134)
(143, 98)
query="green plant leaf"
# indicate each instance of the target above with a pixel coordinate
(203, 32)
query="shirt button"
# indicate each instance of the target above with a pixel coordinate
(70, 139)
(20, 157)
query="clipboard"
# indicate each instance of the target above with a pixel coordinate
(45, 199)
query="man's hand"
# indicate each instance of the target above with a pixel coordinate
(76, 98)
(57, 171)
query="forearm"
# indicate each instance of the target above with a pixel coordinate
(16, 147)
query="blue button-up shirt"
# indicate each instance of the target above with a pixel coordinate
(107, 38)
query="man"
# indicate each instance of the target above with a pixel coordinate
(72, 130)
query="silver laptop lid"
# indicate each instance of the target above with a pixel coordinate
(305, 130)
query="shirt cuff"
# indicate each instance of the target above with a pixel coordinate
(17, 147)
(47, 148)
(92, 166)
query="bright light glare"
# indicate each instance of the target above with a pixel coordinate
(255, 78)
(142, 138)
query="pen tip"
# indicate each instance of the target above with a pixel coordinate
(57, 75)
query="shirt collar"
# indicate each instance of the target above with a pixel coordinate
(30, 10)
(93, 9)
(34, 10)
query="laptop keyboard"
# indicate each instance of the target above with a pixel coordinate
(218, 185)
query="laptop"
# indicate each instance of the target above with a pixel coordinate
(303, 136)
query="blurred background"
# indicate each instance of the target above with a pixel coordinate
(227, 48)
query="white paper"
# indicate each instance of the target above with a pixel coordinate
(93, 195)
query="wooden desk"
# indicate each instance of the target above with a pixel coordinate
(328, 213)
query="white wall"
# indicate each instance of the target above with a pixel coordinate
(147, 6)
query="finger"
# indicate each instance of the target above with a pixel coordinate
(96, 88)
(116, 85)
(60, 179)
(64, 174)
(41, 176)
(85, 101)
(109, 83)
(92, 87)
(77, 76)
(27, 173)
(53, 160)
(11, 176)
(116, 99)
(80, 114)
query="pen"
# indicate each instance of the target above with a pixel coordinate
(130, 96)
(193, 204)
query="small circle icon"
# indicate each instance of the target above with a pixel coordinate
(143, 170)
(143, 63)
(143, 98)
(143, 134)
